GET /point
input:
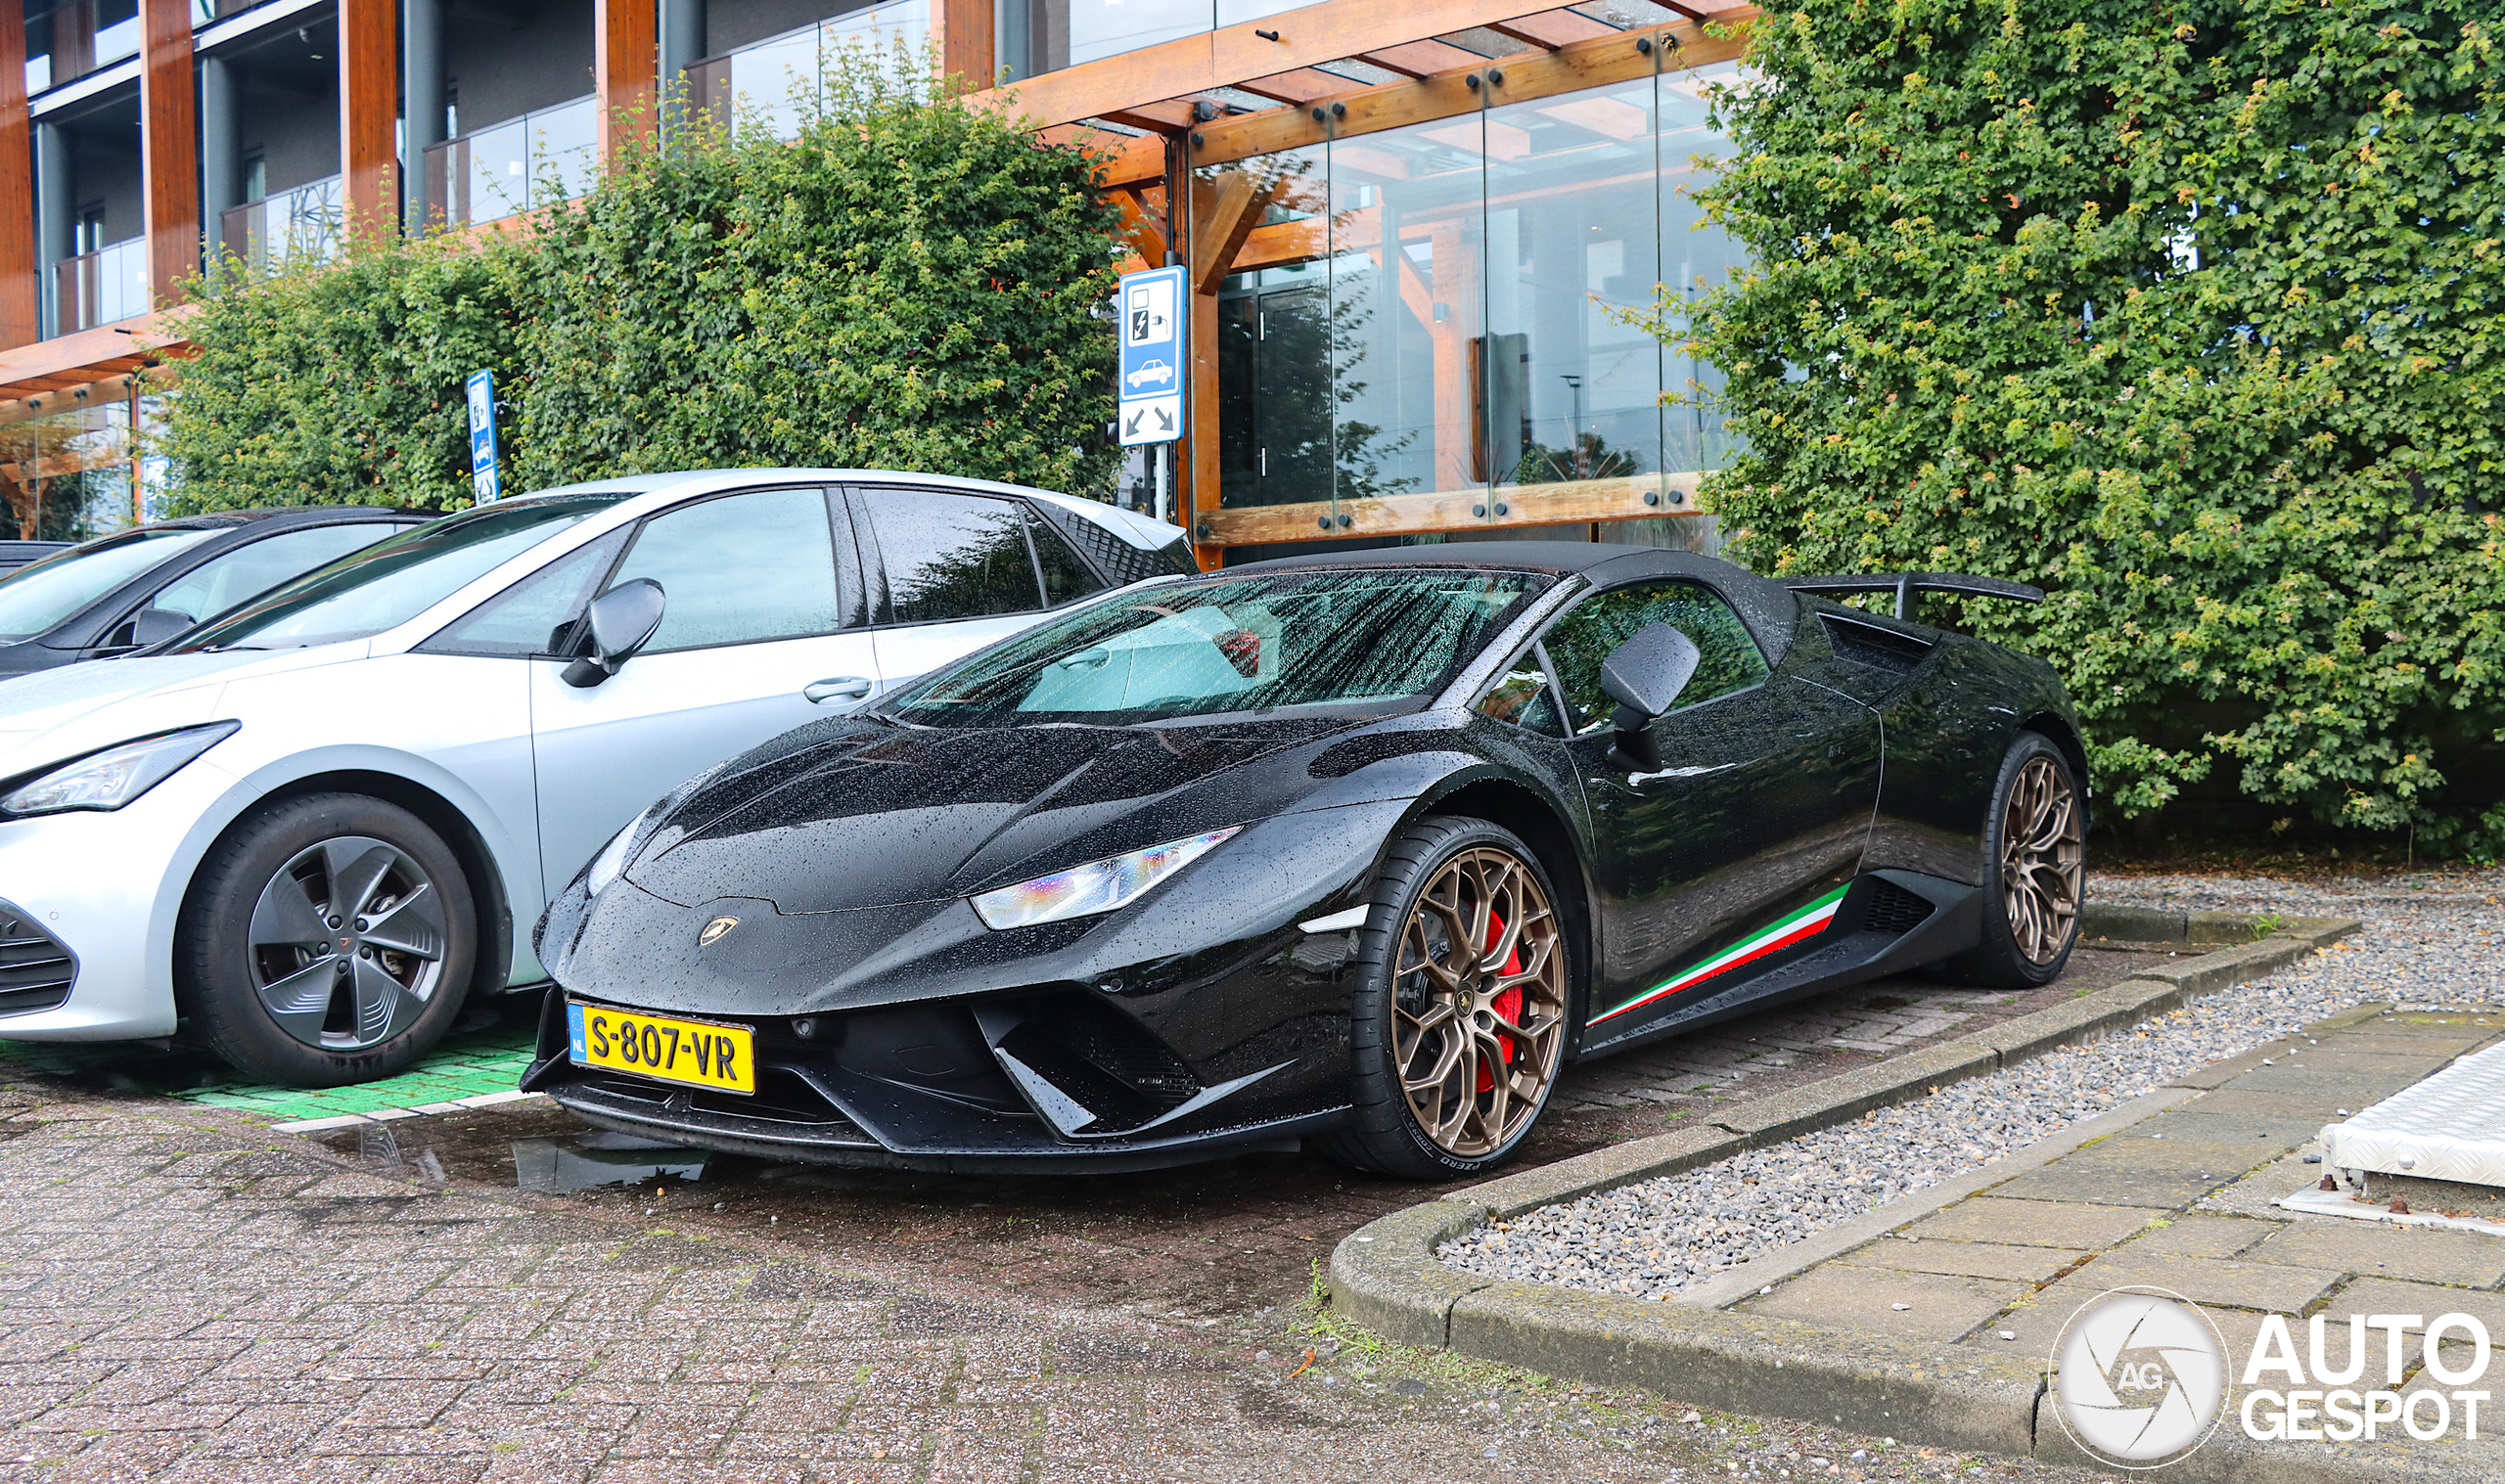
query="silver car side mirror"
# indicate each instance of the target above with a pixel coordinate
(623, 621)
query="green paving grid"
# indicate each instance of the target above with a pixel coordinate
(489, 1059)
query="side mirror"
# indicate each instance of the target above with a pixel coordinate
(1645, 675)
(152, 626)
(623, 621)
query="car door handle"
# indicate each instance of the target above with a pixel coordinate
(837, 687)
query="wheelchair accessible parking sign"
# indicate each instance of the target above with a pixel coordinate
(1149, 390)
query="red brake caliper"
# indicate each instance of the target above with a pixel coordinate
(1509, 1005)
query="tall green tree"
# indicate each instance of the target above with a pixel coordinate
(2189, 312)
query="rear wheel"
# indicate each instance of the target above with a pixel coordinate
(327, 940)
(1458, 1026)
(2036, 838)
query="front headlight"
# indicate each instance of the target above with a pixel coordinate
(612, 856)
(113, 778)
(1103, 885)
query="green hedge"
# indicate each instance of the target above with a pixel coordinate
(2190, 313)
(910, 285)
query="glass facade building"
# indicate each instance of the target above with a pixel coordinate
(1456, 310)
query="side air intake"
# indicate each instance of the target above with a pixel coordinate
(1893, 909)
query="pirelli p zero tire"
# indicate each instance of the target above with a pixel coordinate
(326, 939)
(2035, 865)
(1458, 1023)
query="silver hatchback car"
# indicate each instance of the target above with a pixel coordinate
(311, 827)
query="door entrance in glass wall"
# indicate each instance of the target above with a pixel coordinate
(1274, 414)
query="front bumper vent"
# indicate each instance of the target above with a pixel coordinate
(36, 969)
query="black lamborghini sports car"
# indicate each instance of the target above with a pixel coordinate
(1357, 848)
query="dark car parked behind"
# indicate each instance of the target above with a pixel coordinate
(17, 553)
(134, 588)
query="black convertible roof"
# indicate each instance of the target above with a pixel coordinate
(1512, 556)
(1767, 606)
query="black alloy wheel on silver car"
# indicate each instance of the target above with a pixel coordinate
(1458, 1023)
(326, 940)
(2035, 849)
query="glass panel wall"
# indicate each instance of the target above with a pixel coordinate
(777, 83)
(67, 476)
(1032, 36)
(537, 160)
(1460, 315)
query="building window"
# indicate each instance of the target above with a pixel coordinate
(1447, 309)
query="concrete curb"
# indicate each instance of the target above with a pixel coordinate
(1386, 1277)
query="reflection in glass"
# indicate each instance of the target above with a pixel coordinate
(1573, 391)
(1457, 300)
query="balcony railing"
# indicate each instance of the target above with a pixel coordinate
(101, 287)
(773, 84)
(286, 230)
(535, 161)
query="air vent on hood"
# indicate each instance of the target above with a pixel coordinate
(1880, 647)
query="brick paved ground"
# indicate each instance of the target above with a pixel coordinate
(186, 1297)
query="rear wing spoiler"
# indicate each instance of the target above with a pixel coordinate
(1905, 584)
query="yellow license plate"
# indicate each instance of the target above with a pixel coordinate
(697, 1053)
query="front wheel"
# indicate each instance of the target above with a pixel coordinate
(1458, 1023)
(2035, 847)
(327, 940)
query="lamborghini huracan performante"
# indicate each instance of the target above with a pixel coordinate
(1358, 849)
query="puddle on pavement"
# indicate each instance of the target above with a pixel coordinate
(587, 1161)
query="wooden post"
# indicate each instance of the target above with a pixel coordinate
(21, 287)
(962, 30)
(626, 44)
(169, 146)
(369, 108)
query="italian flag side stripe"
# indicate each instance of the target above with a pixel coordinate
(1806, 922)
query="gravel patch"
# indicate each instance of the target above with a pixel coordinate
(1662, 1236)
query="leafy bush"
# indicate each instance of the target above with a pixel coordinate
(2190, 314)
(913, 284)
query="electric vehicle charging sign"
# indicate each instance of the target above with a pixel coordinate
(1148, 383)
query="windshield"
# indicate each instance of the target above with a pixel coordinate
(35, 598)
(1296, 639)
(390, 582)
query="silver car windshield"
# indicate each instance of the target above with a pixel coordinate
(1296, 639)
(36, 597)
(390, 582)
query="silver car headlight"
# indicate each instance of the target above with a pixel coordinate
(114, 776)
(1116, 881)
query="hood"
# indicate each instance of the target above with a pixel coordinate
(858, 814)
(76, 708)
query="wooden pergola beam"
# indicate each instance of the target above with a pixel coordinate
(1612, 58)
(1551, 30)
(1229, 54)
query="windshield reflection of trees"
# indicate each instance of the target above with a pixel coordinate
(1342, 639)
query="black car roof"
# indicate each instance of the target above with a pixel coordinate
(1511, 556)
(1766, 607)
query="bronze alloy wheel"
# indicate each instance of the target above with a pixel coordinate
(2043, 859)
(1479, 1002)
